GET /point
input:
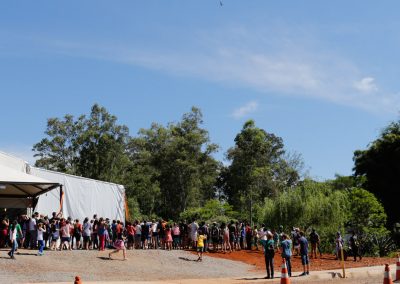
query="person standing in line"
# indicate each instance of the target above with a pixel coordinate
(269, 253)
(40, 232)
(65, 231)
(101, 232)
(87, 228)
(255, 236)
(77, 233)
(339, 246)
(55, 234)
(15, 231)
(215, 236)
(314, 240)
(249, 236)
(304, 254)
(176, 236)
(286, 246)
(32, 232)
(355, 246)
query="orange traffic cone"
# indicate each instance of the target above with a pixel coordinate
(398, 268)
(284, 276)
(77, 280)
(387, 278)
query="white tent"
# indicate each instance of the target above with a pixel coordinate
(82, 197)
(18, 189)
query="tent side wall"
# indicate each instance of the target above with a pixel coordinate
(82, 197)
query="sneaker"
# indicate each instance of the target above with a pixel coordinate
(308, 273)
(303, 274)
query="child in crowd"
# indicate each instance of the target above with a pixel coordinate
(119, 245)
(201, 237)
(40, 232)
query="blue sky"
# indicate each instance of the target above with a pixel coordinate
(321, 75)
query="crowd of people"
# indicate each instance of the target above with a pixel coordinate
(57, 233)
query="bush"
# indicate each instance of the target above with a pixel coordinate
(212, 211)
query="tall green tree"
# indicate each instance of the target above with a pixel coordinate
(91, 146)
(258, 168)
(60, 150)
(181, 162)
(380, 165)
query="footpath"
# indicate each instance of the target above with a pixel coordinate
(372, 274)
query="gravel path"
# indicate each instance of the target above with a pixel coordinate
(55, 266)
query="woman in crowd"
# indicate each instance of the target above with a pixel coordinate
(168, 237)
(4, 232)
(65, 231)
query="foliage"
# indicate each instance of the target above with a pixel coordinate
(212, 211)
(257, 170)
(92, 146)
(380, 165)
(378, 244)
(309, 205)
(176, 168)
(367, 215)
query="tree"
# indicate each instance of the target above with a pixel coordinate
(60, 150)
(180, 162)
(366, 212)
(380, 165)
(92, 147)
(257, 170)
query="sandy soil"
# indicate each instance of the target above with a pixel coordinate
(326, 262)
(56, 266)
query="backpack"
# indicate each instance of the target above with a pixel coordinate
(214, 232)
(269, 248)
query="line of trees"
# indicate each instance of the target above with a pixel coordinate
(170, 171)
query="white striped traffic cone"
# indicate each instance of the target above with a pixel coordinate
(285, 275)
(387, 279)
(398, 268)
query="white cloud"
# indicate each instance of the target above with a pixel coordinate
(245, 110)
(271, 61)
(366, 85)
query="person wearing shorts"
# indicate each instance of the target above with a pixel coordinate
(119, 244)
(86, 232)
(201, 237)
(304, 254)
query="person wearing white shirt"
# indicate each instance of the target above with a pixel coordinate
(32, 232)
(40, 231)
(14, 232)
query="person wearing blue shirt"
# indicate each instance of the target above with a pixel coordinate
(286, 246)
(304, 254)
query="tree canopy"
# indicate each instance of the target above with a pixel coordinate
(380, 165)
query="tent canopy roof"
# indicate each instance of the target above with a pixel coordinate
(15, 184)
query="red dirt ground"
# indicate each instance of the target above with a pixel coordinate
(326, 262)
